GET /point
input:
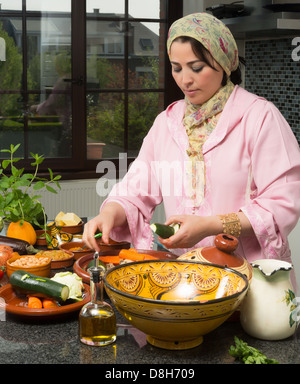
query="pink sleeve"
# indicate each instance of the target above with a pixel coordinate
(138, 193)
(274, 205)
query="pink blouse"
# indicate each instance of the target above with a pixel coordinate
(252, 164)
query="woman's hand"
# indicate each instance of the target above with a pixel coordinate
(111, 216)
(192, 230)
(195, 228)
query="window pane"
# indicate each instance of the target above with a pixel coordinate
(105, 122)
(11, 5)
(48, 52)
(49, 72)
(145, 60)
(50, 128)
(142, 110)
(150, 9)
(105, 8)
(46, 6)
(11, 69)
(11, 122)
(105, 54)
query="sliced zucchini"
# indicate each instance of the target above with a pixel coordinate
(164, 231)
(32, 283)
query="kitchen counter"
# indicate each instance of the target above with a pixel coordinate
(42, 341)
(56, 342)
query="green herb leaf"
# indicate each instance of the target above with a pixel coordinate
(38, 185)
(13, 148)
(50, 189)
(247, 354)
(17, 203)
(5, 163)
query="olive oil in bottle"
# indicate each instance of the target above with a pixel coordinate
(97, 320)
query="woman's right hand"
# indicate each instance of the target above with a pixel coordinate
(112, 215)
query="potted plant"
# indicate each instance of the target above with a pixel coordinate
(20, 193)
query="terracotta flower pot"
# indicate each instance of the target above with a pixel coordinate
(95, 150)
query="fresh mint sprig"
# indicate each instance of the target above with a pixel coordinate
(19, 191)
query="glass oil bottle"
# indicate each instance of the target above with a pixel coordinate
(97, 320)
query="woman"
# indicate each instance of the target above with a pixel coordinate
(232, 161)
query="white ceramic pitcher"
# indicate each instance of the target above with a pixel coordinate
(269, 310)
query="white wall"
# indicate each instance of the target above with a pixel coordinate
(294, 240)
(192, 6)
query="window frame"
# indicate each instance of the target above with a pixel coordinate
(79, 167)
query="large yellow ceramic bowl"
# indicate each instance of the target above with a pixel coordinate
(175, 302)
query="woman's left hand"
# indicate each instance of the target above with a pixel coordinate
(192, 230)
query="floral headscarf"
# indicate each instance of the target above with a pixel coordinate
(212, 33)
(200, 120)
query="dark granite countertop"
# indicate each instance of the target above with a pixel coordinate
(56, 342)
(42, 341)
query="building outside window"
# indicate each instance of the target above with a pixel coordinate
(82, 80)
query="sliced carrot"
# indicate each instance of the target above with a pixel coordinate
(48, 303)
(131, 255)
(110, 259)
(132, 250)
(134, 255)
(125, 252)
(149, 257)
(34, 302)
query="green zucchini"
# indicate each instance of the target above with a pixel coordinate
(32, 283)
(164, 231)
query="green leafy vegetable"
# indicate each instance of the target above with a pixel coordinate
(247, 354)
(73, 281)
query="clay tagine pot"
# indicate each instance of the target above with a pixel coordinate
(223, 253)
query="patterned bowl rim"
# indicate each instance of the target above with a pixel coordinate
(171, 302)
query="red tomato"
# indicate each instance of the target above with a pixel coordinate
(2, 270)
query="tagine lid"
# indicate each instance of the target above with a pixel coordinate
(223, 252)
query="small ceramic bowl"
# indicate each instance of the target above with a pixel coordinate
(41, 270)
(175, 303)
(40, 237)
(59, 258)
(72, 228)
(73, 247)
(112, 246)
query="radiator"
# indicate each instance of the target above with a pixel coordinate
(82, 198)
(78, 196)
